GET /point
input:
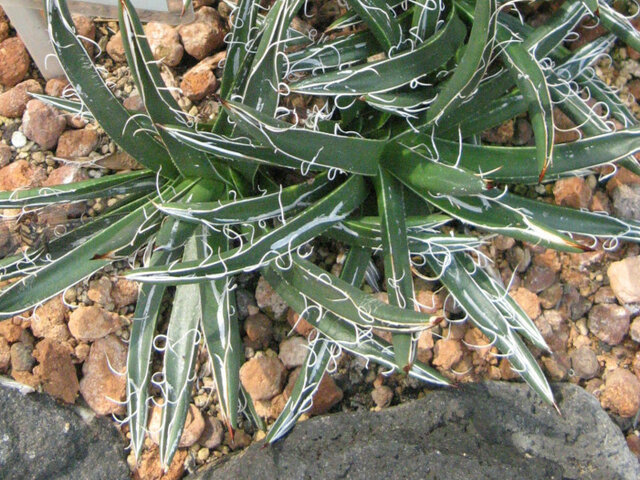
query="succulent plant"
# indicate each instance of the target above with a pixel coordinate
(389, 162)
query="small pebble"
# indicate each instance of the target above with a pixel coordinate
(18, 139)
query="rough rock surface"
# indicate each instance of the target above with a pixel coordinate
(610, 323)
(623, 278)
(204, 35)
(56, 372)
(14, 101)
(572, 192)
(104, 384)
(14, 61)
(621, 393)
(115, 48)
(55, 86)
(293, 351)
(326, 396)
(43, 124)
(43, 439)
(77, 143)
(269, 301)
(164, 42)
(480, 431)
(92, 323)
(263, 377)
(194, 426)
(49, 320)
(199, 83)
(20, 174)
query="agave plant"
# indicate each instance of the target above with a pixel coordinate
(388, 156)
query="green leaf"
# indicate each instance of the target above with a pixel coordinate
(349, 303)
(168, 247)
(171, 238)
(348, 19)
(509, 308)
(489, 213)
(238, 151)
(309, 148)
(261, 89)
(531, 81)
(121, 127)
(332, 54)
(426, 15)
(160, 105)
(423, 174)
(488, 318)
(395, 72)
(182, 340)
(547, 37)
(252, 209)
(381, 20)
(241, 35)
(272, 246)
(79, 261)
(312, 370)
(473, 64)
(107, 186)
(221, 333)
(615, 22)
(564, 219)
(404, 103)
(357, 341)
(397, 264)
(518, 164)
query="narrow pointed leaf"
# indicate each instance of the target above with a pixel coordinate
(179, 359)
(125, 235)
(333, 54)
(381, 20)
(351, 339)
(570, 220)
(488, 213)
(160, 105)
(241, 35)
(310, 148)
(484, 315)
(261, 88)
(252, 209)
(426, 15)
(531, 81)
(421, 173)
(473, 64)
(221, 334)
(397, 264)
(107, 186)
(124, 129)
(171, 238)
(511, 311)
(311, 372)
(269, 247)
(395, 72)
(349, 303)
(518, 164)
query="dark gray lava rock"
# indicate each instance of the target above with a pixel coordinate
(41, 439)
(482, 431)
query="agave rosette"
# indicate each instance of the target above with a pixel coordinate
(392, 155)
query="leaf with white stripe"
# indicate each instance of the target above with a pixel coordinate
(531, 81)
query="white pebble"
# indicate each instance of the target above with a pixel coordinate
(18, 139)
